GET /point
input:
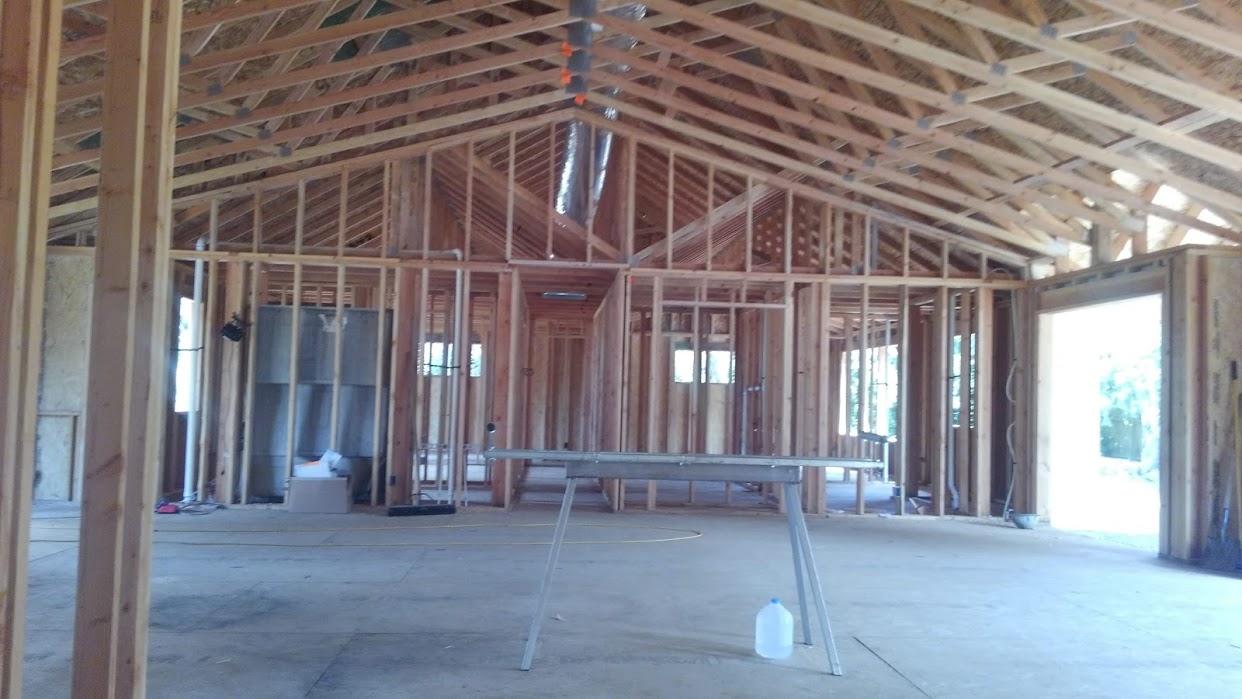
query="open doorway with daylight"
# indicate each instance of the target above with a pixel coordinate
(1099, 414)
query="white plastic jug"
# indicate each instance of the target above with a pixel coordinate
(774, 631)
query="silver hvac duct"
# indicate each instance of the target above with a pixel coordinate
(577, 192)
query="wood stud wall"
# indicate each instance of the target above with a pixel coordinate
(799, 325)
(805, 395)
(454, 234)
(791, 333)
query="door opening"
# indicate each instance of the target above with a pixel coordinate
(1100, 419)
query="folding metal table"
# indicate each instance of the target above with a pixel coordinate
(785, 470)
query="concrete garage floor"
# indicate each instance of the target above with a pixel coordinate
(921, 607)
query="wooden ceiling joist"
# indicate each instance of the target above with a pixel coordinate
(873, 146)
(958, 63)
(1172, 19)
(847, 181)
(978, 114)
(205, 20)
(286, 179)
(987, 131)
(1128, 71)
(339, 32)
(808, 191)
(397, 112)
(387, 135)
(294, 77)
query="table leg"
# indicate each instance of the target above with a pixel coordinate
(558, 538)
(799, 573)
(834, 663)
(860, 496)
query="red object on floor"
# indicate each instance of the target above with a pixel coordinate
(167, 509)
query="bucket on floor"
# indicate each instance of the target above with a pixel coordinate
(1025, 521)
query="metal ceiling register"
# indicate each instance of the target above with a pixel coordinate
(786, 470)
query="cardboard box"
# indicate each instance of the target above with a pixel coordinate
(312, 469)
(319, 495)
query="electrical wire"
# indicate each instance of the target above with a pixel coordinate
(1013, 403)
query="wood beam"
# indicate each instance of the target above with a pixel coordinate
(259, 31)
(784, 410)
(340, 32)
(411, 111)
(208, 19)
(1051, 97)
(981, 446)
(129, 334)
(691, 232)
(29, 43)
(1172, 19)
(853, 165)
(504, 375)
(354, 65)
(340, 82)
(874, 192)
(1107, 155)
(408, 222)
(807, 191)
(319, 151)
(916, 133)
(229, 415)
(657, 383)
(427, 76)
(500, 182)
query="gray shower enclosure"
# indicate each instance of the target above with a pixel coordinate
(312, 428)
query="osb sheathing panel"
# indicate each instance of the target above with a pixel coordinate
(62, 382)
(1223, 299)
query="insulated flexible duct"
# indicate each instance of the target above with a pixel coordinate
(577, 191)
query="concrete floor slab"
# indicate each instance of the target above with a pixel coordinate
(366, 606)
(200, 664)
(1095, 665)
(624, 662)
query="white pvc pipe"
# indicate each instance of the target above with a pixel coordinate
(442, 441)
(461, 358)
(449, 393)
(962, 405)
(188, 489)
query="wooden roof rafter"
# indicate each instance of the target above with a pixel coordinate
(721, 122)
(805, 190)
(292, 136)
(999, 125)
(872, 146)
(297, 77)
(926, 130)
(1134, 125)
(258, 165)
(192, 201)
